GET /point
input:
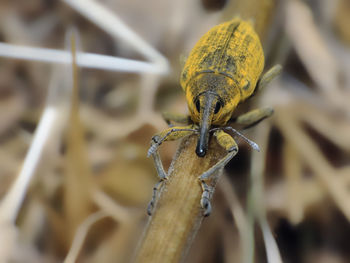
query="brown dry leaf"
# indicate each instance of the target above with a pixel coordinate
(78, 182)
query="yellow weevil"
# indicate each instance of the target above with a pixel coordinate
(223, 69)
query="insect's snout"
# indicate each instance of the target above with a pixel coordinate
(207, 105)
(201, 150)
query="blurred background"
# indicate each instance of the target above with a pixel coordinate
(74, 177)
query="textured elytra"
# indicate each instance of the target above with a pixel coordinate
(228, 60)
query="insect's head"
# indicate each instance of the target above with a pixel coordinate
(211, 100)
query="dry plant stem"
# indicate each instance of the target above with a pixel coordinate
(259, 11)
(78, 179)
(177, 214)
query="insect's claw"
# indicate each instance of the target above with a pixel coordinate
(256, 146)
(205, 199)
(150, 207)
(205, 203)
(252, 144)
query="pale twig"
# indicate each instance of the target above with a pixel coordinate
(257, 195)
(115, 210)
(81, 234)
(109, 207)
(85, 60)
(12, 201)
(237, 212)
(272, 251)
(113, 25)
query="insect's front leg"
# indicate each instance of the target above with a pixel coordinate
(228, 143)
(170, 134)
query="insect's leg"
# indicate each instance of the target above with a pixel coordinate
(169, 134)
(268, 76)
(176, 117)
(226, 141)
(253, 117)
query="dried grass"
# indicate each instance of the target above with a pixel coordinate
(75, 181)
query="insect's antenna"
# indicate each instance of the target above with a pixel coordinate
(252, 144)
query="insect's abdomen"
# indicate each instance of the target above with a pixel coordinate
(232, 49)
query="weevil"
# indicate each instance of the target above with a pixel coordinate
(223, 69)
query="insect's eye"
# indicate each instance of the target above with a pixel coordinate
(198, 105)
(217, 107)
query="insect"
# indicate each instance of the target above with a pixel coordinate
(223, 69)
